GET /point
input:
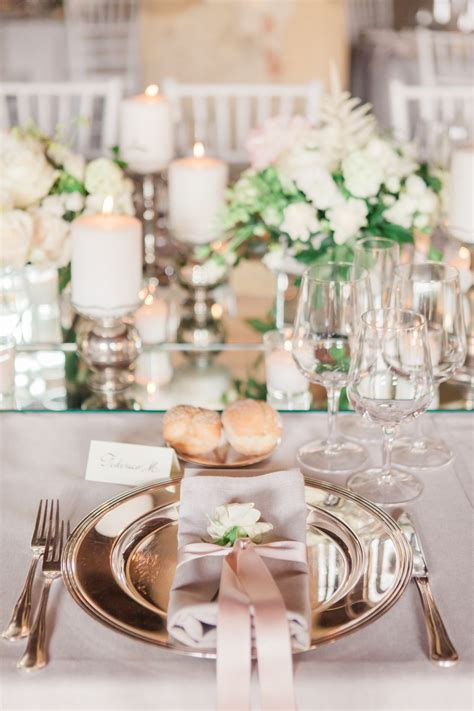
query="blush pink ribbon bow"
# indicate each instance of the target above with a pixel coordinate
(247, 586)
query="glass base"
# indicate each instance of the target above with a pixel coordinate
(398, 488)
(423, 453)
(359, 429)
(338, 457)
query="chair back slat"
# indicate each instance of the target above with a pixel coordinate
(104, 40)
(442, 105)
(445, 58)
(85, 114)
(222, 115)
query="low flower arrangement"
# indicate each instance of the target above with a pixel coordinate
(312, 191)
(44, 186)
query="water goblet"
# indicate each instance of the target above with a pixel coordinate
(380, 256)
(390, 381)
(331, 301)
(433, 290)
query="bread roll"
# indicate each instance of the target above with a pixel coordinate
(192, 430)
(252, 427)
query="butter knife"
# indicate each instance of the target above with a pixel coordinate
(441, 648)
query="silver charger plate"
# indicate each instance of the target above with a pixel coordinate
(119, 562)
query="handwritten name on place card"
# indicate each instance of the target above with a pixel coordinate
(132, 464)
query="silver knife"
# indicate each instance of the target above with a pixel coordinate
(441, 648)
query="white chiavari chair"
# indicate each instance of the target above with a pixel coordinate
(104, 40)
(368, 14)
(445, 58)
(85, 114)
(222, 115)
(441, 105)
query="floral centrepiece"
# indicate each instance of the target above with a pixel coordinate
(233, 521)
(312, 191)
(44, 186)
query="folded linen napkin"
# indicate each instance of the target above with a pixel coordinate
(279, 496)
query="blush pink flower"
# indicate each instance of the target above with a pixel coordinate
(276, 135)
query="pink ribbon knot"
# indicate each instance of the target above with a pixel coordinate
(247, 588)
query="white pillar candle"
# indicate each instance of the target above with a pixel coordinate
(106, 264)
(282, 374)
(151, 321)
(196, 187)
(146, 131)
(461, 202)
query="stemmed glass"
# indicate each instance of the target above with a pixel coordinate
(432, 289)
(331, 301)
(13, 302)
(380, 256)
(390, 380)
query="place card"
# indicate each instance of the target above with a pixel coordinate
(132, 464)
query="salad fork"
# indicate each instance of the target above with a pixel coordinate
(19, 625)
(35, 656)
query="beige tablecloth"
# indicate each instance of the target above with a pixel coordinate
(383, 666)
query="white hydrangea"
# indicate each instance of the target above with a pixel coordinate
(103, 177)
(6, 199)
(272, 217)
(402, 211)
(74, 202)
(415, 186)
(346, 219)
(16, 230)
(319, 187)
(300, 221)
(392, 183)
(274, 258)
(363, 175)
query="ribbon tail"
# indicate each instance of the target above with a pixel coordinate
(275, 664)
(234, 662)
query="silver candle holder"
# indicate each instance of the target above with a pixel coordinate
(465, 374)
(200, 324)
(109, 345)
(159, 253)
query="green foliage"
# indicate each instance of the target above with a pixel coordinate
(261, 326)
(117, 159)
(250, 388)
(431, 180)
(68, 184)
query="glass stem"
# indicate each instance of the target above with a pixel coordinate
(333, 407)
(388, 438)
(419, 443)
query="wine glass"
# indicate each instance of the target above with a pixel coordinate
(331, 300)
(432, 289)
(380, 256)
(391, 380)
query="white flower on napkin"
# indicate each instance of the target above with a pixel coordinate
(233, 521)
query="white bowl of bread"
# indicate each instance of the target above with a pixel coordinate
(248, 431)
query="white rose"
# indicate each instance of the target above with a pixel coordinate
(363, 175)
(24, 170)
(103, 177)
(16, 229)
(388, 200)
(74, 202)
(242, 516)
(347, 219)
(51, 240)
(300, 221)
(274, 259)
(53, 205)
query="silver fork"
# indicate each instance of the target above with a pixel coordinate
(35, 656)
(19, 625)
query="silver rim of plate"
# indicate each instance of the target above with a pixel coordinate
(119, 562)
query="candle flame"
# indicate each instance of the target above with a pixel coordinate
(198, 150)
(108, 205)
(464, 253)
(152, 90)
